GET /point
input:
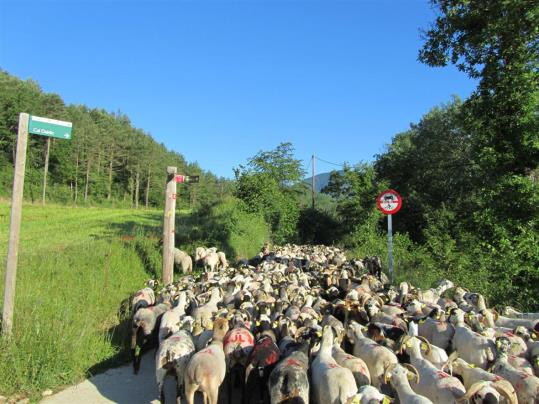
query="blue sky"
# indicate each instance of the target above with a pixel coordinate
(220, 80)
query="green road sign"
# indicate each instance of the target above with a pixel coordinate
(49, 127)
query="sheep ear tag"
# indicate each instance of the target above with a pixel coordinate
(319, 333)
(424, 346)
(471, 365)
(356, 400)
(258, 323)
(410, 376)
(409, 344)
(137, 350)
(498, 344)
(534, 336)
(386, 400)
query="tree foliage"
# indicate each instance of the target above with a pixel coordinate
(107, 161)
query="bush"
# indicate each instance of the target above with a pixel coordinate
(226, 226)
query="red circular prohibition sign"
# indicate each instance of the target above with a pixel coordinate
(389, 202)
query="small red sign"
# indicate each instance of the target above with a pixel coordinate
(180, 178)
(389, 202)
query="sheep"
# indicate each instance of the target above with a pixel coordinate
(368, 395)
(203, 314)
(143, 298)
(480, 382)
(377, 357)
(200, 253)
(174, 354)
(357, 366)
(433, 383)
(207, 368)
(437, 332)
(398, 376)
(472, 347)
(288, 382)
(525, 385)
(170, 321)
(210, 261)
(260, 363)
(437, 356)
(332, 383)
(223, 263)
(184, 261)
(145, 320)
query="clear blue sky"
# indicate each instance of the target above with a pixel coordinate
(220, 80)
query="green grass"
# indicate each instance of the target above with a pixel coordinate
(76, 266)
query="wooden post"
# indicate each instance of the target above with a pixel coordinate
(46, 170)
(15, 226)
(168, 226)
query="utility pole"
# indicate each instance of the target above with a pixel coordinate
(312, 180)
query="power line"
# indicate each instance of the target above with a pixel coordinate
(329, 162)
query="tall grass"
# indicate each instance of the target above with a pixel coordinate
(75, 268)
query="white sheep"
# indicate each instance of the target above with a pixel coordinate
(173, 355)
(331, 383)
(377, 357)
(183, 260)
(471, 346)
(398, 376)
(170, 322)
(207, 368)
(433, 383)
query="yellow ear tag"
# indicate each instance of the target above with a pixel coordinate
(534, 335)
(423, 305)
(319, 333)
(386, 400)
(275, 324)
(409, 344)
(422, 321)
(356, 400)
(498, 344)
(258, 323)
(471, 365)
(424, 346)
(410, 376)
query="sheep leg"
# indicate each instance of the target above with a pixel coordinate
(160, 375)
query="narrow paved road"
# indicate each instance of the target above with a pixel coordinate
(118, 385)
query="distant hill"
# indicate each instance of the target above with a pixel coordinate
(320, 180)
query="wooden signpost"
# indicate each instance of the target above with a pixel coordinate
(169, 220)
(41, 126)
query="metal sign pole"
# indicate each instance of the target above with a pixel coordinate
(390, 245)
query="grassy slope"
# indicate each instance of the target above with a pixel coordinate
(76, 265)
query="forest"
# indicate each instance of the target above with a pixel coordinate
(108, 162)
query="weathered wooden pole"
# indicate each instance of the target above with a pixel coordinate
(15, 226)
(46, 170)
(168, 226)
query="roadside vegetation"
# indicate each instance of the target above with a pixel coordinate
(76, 266)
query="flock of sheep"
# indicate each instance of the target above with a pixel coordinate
(303, 324)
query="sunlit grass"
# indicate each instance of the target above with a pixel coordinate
(75, 267)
